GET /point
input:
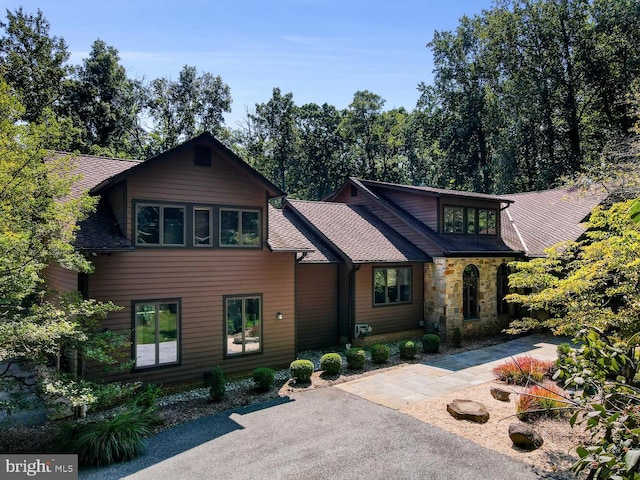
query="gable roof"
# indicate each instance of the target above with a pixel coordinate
(537, 220)
(356, 233)
(202, 139)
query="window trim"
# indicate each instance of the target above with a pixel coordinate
(476, 220)
(373, 286)
(134, 345)
(161, 206)
(225, 336)
(211, 221)
(240, 210)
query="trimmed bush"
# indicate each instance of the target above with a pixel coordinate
(118, 438)
(408, 349)
(301, 370)
(356, 358)
(331, 363)
(264, 377)
(540, 400)
(523, 370)
(456, 337)
(379, 353)
(218, 384)
(430, 343)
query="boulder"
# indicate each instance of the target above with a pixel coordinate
(500, 394)
(468, 410)
(524, 436)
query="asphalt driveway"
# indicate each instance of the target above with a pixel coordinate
(321, 434)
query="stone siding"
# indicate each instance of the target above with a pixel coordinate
(443, 296)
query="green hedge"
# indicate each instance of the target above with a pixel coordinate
(408, 349)
(379, 353)
(430, 343)
(264, 377)
(301, 370)
(356, 357)
(331, 363)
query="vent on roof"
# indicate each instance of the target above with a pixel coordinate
(202, 155)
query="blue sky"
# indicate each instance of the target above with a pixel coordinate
(321, 51)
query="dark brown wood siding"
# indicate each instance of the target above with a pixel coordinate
(423, 207)
(389, 318)
(117, 198)
(60, 279)
(316, 305)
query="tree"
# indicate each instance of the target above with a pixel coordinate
(32, 62)
(38, 218)
(183, 109)
(105, 104)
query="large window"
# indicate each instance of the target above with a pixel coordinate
(202, 236)
(391, 285)
(502, 289)
(243, 320)
(239, 228)
(159, 224)
(470, 221)
(156, 330)
(470, 292)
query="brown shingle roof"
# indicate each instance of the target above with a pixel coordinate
(360, 236)
(538, 220)
(100, 231)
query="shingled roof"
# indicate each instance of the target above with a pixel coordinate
(538, 220)
(357, 234)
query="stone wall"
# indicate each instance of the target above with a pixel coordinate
(443, 295)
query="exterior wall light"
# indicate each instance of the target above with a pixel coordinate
(279, 316)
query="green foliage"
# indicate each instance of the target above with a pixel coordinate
(456, 337)
(380, 353)
(356, 357)
(541, 400)
(301, 370)
(218, 384)
(264, 378)
(591, 283)
(430, 343)
(523, 370)
(118, 438)
(408, 349)
(146, 397)
(331, 363)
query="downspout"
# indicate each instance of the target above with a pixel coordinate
(352, 300)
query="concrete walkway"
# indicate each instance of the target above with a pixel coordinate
(407, 384)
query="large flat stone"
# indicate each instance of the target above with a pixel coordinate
(468, 410)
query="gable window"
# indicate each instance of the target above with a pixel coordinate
(202, 236)
(239, 228)
(156, 325)
(470, 220)
(243, 320)
(470, 292)
(391, 285)
(161, 225)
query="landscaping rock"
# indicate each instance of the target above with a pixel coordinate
(525, 437)
(468, 410)
(500, 394)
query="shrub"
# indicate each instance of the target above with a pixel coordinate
(145, 398)
(301, 370)
(331, 363)
(456, 337)
(264, 378)
(115, 439)
(408, 349)
(379, 353)
(218, 384)
(540, 400)
(356, 358)
(430, 343)
(523, 370)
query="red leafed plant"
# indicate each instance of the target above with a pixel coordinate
(523, 370)
(538, 400)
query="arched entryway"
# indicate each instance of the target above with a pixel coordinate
(470, 291)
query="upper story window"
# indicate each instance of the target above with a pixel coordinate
(239, 227)
(391, 285)
(470, 220)
(202, 225)
(161, 225)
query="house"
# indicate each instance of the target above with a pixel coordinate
(208, 273)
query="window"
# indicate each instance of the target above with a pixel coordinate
(470, 292)
(202, 227)
(239, 228)
(502, 289)
(159, 225)
(243, 320)
(391, 285)
(470, 221)
(156, 333)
